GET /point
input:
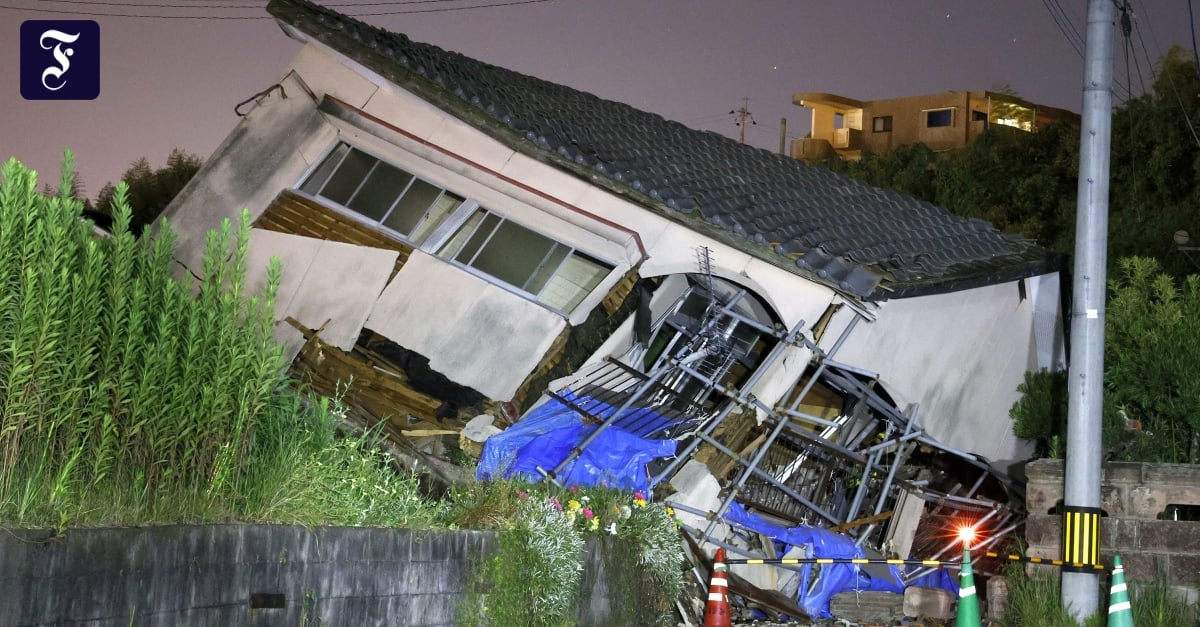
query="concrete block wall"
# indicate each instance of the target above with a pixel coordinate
(1133, 496)
(280, 575)
(254, 575)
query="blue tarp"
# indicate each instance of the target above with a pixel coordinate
(817, 542)
(546, 436)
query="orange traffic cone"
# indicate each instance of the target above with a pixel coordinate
(716, 612)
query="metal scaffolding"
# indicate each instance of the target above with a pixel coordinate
(845, 473)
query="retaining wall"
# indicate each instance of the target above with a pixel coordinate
(1134, 498)
(260, 575)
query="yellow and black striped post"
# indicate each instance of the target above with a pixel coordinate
(1080, 538)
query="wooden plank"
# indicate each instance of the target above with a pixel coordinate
(869, 520)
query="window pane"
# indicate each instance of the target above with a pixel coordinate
(380, 190)
(321, 174)
(452, 247)
(939, 117)
(412, 206)
(546, 270)
(577, 277)
(435, 216)
(513, 254)
(348, 176)
(486, 227)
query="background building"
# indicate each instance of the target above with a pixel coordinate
(944, 121)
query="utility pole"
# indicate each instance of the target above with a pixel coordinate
(1081, 483)
(743, 114)
(783, 136)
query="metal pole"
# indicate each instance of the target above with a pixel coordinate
(782, 422)
(1081, 484)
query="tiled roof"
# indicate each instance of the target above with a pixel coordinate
(869, 242)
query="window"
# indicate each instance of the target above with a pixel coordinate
(381, 192)
(935, 118)
(553, 273)
(881, 124)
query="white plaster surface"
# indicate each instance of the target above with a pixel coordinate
(475, 333)
(322, 281)
(961, 357)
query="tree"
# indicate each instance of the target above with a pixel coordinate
(151, 190)
(1152, 359)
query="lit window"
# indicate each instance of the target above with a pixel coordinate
(381, 192)
(553, 273)
(935, 118)
(881, 124)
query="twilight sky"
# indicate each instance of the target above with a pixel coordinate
(170, 81)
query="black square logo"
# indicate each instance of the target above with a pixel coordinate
(60, 60)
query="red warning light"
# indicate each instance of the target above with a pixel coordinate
(966, 533)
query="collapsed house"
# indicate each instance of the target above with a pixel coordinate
(457, 237)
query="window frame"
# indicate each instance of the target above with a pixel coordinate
(881, 124)
(927, 112)
(381, 222)
(438, 246)
(440, 235)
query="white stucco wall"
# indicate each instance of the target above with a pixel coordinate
(324, 285)
(263, 154)
(960, 356)
(476, 333)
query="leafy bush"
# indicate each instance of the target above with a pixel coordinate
(1040, 415)
(1152, 357)
(1151, 409)
(534, 577)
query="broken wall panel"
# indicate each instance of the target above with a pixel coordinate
(475, 332)
(577, 343)
(961, 356)
(324, 284)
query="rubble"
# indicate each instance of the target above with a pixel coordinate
(836, 454)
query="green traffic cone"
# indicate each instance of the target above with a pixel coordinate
(968, 603)
(1120, 613)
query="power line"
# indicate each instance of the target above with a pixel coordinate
(1127, 30)
(1192, 23)
(269, 17)
(704, 119)
(1066, 26)
(1170, 78)
(1137, 30)
(1077, 41)
(250, 4)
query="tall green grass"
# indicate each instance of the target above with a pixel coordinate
(128, 396)
(1034, 600)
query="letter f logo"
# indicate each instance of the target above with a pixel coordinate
(60, 60)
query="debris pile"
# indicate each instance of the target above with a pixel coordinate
(835, 470)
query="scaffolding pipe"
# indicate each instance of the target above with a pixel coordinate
(762, 451)
(578, 450)
(773, 481)
(742, 397)
(863, 482)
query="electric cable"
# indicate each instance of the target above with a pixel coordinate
(492, 5)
